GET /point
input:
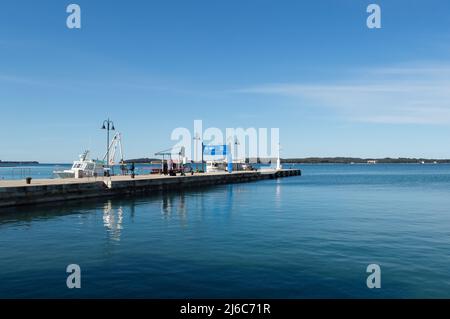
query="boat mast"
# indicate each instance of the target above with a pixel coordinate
(110, 155)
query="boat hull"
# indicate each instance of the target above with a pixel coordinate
(64, 174)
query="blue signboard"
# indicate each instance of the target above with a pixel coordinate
(215, 150)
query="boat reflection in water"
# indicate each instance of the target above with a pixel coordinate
(112, 220)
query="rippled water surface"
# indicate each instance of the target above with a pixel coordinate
(297, 237)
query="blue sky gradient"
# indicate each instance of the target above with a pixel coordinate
(311, 68)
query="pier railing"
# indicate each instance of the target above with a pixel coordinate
(20, 172)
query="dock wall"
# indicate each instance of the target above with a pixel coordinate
(124, 185)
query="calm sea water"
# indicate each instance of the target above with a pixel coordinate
(298, 237)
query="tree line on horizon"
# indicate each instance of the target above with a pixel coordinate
(323, 160)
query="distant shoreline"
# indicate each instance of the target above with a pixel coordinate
(323, 160)
(15, 163)
(355, 160)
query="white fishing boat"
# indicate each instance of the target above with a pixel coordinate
(84, 167)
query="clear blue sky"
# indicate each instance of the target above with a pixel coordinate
(311, 68)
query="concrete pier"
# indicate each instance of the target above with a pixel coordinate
(15, 193)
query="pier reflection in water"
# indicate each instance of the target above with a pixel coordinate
(115, 241)
(174, 203)
(117, 213)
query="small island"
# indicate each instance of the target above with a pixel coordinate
(18, 163)
(145, 160)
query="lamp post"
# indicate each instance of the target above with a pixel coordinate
(108, 125)
(198, 138)
(236, 143)
(279, 167)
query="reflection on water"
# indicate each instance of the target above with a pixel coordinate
(174, 204)
(278, 192)
(113, 210)
(112, 220)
